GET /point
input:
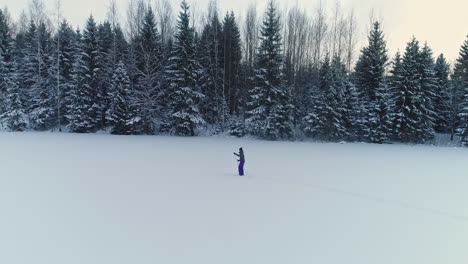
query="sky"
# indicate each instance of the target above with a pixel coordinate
(442, 23)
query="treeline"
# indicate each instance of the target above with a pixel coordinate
(287, 76)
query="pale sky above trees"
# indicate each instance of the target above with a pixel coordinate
(443, 24)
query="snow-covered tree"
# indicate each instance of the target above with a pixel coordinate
(460, 77)
(269, 100)
(149, 56)
(442, 101)
(326, 118)
(105, 37)
(87, 96)
(14, 117)
(79, 97)
(6, 58)
(232, 54)
(66, 38)
(405, 85)
(40, 59)
(11, 107)
(427, 93)
(182, 76)
(412, 112)
(379, 123)
(210, 52)
(351, 115)
(370, 68)
(123, 114)
(370, 80)
(91, 68)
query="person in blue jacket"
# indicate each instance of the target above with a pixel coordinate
(241, 161)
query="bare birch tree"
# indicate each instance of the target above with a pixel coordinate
(251, 35)
(135, 15)
(320, 30)
(351, 41)
(165, 15)
(295, 41)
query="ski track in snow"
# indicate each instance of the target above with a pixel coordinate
(374, 199)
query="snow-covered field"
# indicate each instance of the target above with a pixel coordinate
(99, 199)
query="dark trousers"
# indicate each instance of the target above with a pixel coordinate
(241, 168)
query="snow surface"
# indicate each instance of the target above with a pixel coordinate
(99, 199)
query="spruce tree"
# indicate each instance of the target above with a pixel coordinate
(406, 86)
(149, 56)
(411, 111)
(6, 60)
(442, 102)
(460, 78)
(11, 107)
(380, 123)
(92, 69)
(119, 46)
(427, 93)
(14, 117)
(269, 100)
(79, 95)
(42, 92)
(105, 37)
(210, 51)
(351, 113)
(26, 56)
(326, 118)
(232, 54)
(123, 113)
(66, 59)
(395, 82)
(370, 80)
(182, 77)
(370, 68)
(279, 122)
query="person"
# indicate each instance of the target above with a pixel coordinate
(241, 161)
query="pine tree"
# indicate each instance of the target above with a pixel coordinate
(460, 78)
(269, 100)
(182, 76)
(123, 114)
(370, 80)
